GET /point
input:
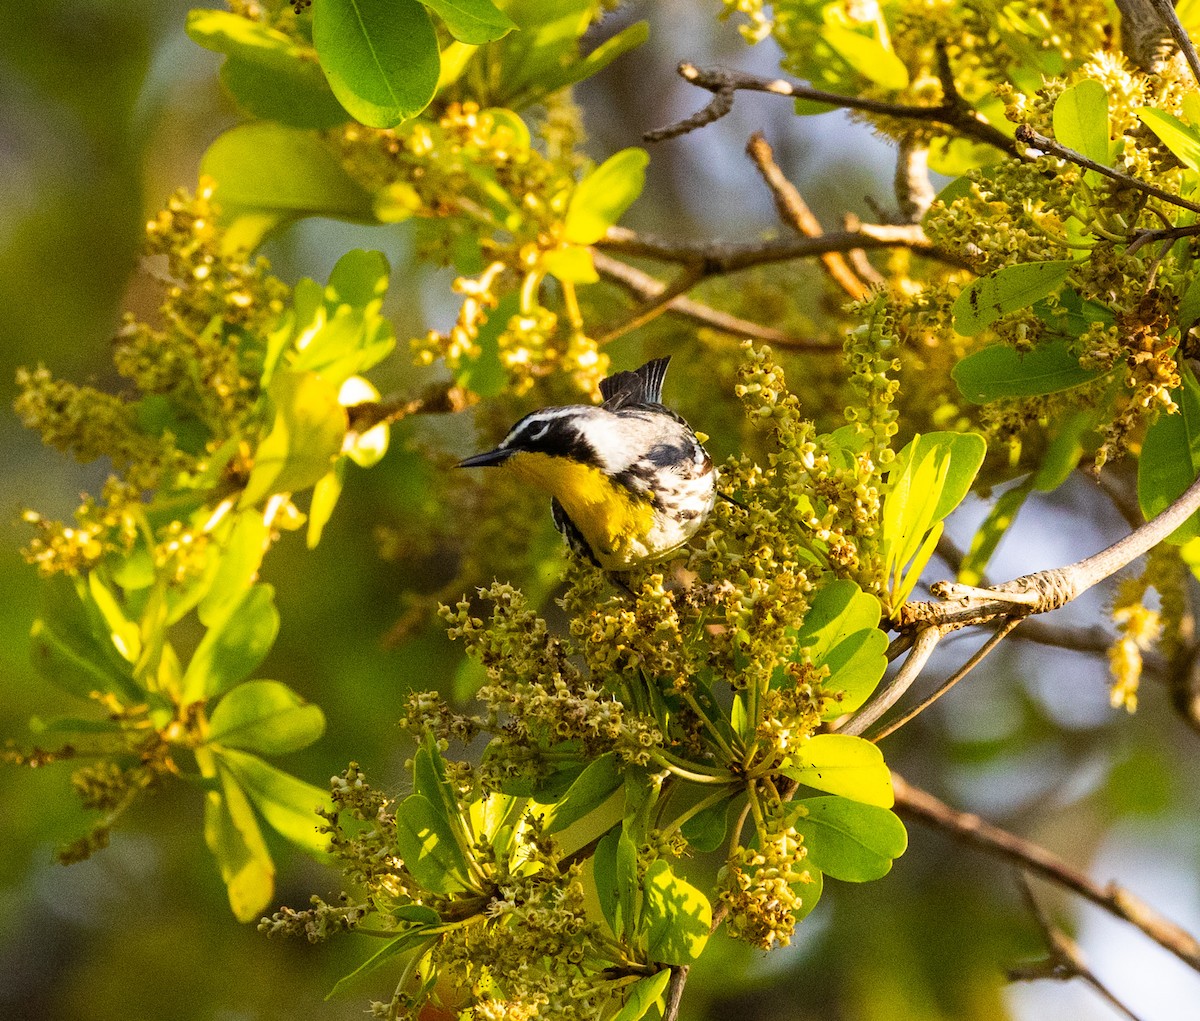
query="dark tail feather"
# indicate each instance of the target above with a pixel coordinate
(642, 386)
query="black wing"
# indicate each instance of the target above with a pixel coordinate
(642, 386)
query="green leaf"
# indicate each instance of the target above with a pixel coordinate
(705, 831)
(269, 175)
(309, 427)
(965, 452)
(1006, 290)
(359, 279)
(575, 71)
(238, 566)
(602, 197)
(71, 648)
(234, 645)
(676, 917)
(233, 836)
(604, 876)
(839, 609)
(847, 766)
(848, 840)
(994, 527)
(599, 779)
(412, 938)
(1180, 138)
(868, 56)
(267, 717)
(326, 494)
(472, 21)
(642, 995)
(380, 56)
(856, 665)
(1170, 458)
(1081, 119)
(77, 671)
(271, 76)
(810, 893)
(287, 803)
(999, 372)
(426, 844)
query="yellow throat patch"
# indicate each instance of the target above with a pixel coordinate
(607, 514)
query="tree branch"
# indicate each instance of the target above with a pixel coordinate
(1166, 11)
(644, 286)
(794, 211)
(914, 803)
(718, 258)
(725, 84)
(654, 306)
(1065, 960)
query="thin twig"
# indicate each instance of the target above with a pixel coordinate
(719, 258)
(1001, 633)
(725, 84)
(1116, 900)
(926, 641)
(794, 211)
(654, 307)
(1053, 588)
(1065, 960)
(1166, 11)
(679, 975)
(1027, 136)
(644, 286)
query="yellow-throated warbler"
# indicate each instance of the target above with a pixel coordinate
(629, 479)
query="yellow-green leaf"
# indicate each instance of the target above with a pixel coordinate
(847, 766)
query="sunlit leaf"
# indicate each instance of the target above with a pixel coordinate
(602, 197)
(676, 917)
(270, 74)
(287, 803)
(232, 834)
(305, 438)
(427, 846)
(642, 995)
(847, 766)
(1182, 139)
(269, 175)
(1081, 119)
(867, 56)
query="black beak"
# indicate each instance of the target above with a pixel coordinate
(487, 460)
